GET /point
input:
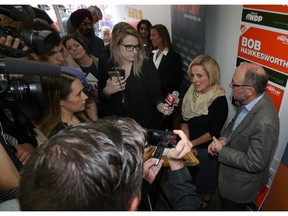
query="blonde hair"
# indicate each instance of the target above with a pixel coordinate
(210, 66)
(120, 31)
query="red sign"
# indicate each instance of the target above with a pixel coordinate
(268, 48)
(276, 95)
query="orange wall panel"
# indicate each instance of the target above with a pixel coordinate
(277, 199)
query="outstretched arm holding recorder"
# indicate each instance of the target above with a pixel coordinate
(184, 193)
(175, 155)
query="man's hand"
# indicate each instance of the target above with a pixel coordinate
(148, 152)
(216, 145)
(24, 151)
(151, 170)
(175, 155)
(12, 42)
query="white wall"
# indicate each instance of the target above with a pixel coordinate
(156, 14)
(222, 34)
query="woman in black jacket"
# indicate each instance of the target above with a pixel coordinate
(136, 92)
(169, 66)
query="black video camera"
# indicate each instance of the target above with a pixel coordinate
(22, 15)
(21, 88)
(35, 40)
(20, 79)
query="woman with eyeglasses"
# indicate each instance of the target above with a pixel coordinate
(204, 112)
(129, 82)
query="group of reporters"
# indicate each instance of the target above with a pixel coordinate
(76, 122)
(65, 101)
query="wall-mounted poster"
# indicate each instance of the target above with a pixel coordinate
(264, 40)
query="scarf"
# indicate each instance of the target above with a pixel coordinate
(196, 103)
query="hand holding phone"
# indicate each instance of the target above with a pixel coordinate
(165, 139)
(120, 73)
(157, 154)
(175, 155)
(115, 83)
(148, 151)
(151, 170)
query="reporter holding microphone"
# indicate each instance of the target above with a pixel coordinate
(137, 93)
(169, 67)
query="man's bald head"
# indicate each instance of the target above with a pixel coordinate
(254, 75)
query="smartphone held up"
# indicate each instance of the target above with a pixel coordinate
(119, 73)
(166, 139)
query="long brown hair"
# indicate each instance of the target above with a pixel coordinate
(164, 34)
(55, 89)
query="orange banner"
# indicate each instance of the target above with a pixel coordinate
(266, 47)
(260, 44)
(276, 95)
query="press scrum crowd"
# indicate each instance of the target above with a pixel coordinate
(96, 113)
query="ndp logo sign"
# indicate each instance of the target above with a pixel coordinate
(254, 17)
(283, 38)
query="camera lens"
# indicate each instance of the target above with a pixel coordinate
(26, 92)
(39, 41)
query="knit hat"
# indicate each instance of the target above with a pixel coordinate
(77, 17)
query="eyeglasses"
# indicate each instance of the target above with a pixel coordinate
(130, 48)
(236, 85)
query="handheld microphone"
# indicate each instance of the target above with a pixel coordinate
(172, 99)
(20, 66)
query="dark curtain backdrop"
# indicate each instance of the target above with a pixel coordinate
(188, 35)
